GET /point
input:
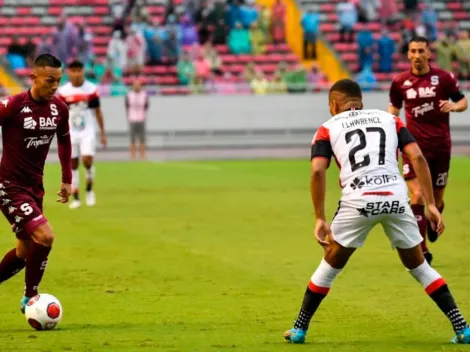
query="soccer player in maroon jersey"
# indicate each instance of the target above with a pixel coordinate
(430, 94)
(29, 122)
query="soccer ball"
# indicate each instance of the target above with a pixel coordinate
(43, 312)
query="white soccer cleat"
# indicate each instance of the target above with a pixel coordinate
(75, 204)
(90, 198)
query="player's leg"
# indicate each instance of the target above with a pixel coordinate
(132, 135)
(87, 148)
(417, 204)
(75, 173)
(439, 172)
(349, 233)
(436, 287)
(141, 137)
(14, 260)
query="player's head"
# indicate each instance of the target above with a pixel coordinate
(419, 53)
(344, 94)
(46, 76)
(76, 73)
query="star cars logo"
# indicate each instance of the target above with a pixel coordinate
(427, 92)
(378, 208)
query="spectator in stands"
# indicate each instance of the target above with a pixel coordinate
(202, 22)
(463, 55)
(65, 39)
(30, 52)
(420, 28)
(213, 58)
(154, 38)
(369, 9)
(218, 12)
(411, 6)
(234, 13)
(171, 46)
(219, 36)
(257, 40)
(94, 70)
(185, 70)
(84, 43)
(367, 79)
(386, 49)
(347, 14)
(366, 44)
(249, 14)
(239, 40)
(429, 19)
(117, 51)
(278, 22)
(117, 11)
(296, 79)
(265, 22)
(45, 46)
(310, 24)
(137, 104)
(135, 46)
(189, 35)
(445, 50)
(277, 85)
(16, 54)
(315, 77)
(259, 84)
(407, 33)
(388, 12)
(249, 73)
(202, 68)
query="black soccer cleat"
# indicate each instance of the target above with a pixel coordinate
(432, 235)
(428, 256)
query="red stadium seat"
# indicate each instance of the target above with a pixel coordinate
(57, 11)
(21, 11)
(328, 7)
(328, 27)
(23, 72)
(229, 59)
(101, 10)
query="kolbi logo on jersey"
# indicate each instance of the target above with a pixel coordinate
(34, 142)
(378, 208)
(378, 180)
(422, 109)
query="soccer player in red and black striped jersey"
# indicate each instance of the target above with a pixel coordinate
(29, 121)
(429, 94)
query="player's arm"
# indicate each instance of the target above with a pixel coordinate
(396, 100)
(410, 148)
(5, 109)
(458, 102)
(64, 145)
(95, 105)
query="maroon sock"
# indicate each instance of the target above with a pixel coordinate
(418, 211)
(36, 263)
(10, 265)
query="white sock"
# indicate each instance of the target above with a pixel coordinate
(323, 277)
(90, 174)
(425, 275)
(75, 180)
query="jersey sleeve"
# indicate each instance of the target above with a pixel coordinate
(453, 87)
(396, 99)
(321, 145)
(404, 136)
(6, 109)
(94, 100)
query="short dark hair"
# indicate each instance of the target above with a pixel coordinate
(47, 60)
(419, 39)
(75, 64)
(347, 87)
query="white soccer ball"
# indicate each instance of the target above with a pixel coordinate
(43, 312)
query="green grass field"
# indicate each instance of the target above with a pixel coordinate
(215, 256)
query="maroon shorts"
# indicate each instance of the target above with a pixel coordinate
(22, 206)
(439, 165)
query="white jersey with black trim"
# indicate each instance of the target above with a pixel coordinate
(365, 145)
(81, 101)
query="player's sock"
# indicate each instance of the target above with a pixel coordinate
(418, 211)
(317, 289)
(10, 265)
(75, 183)
(36, 263)
(437, 289)
(90, 178)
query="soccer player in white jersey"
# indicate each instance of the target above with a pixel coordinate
(83, 100)
(365, 145)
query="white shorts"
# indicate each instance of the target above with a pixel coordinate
(355, 219)
(83, 144)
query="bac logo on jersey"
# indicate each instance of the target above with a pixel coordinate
(29, 123)
(47, 123)
(427, 92)
(411, 94)
(377, 208)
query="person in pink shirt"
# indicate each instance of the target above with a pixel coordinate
(137, 103)
(135, 45)
(278, 22)
(203, 68)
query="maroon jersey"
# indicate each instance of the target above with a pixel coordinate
(28, 127)
(422, 95)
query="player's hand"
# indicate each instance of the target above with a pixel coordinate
(446, 106)
(435, 218)
(104, 140)
(64, 193)
(322, 232)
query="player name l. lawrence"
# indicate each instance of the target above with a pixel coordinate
(34, 142)
(361, 122)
